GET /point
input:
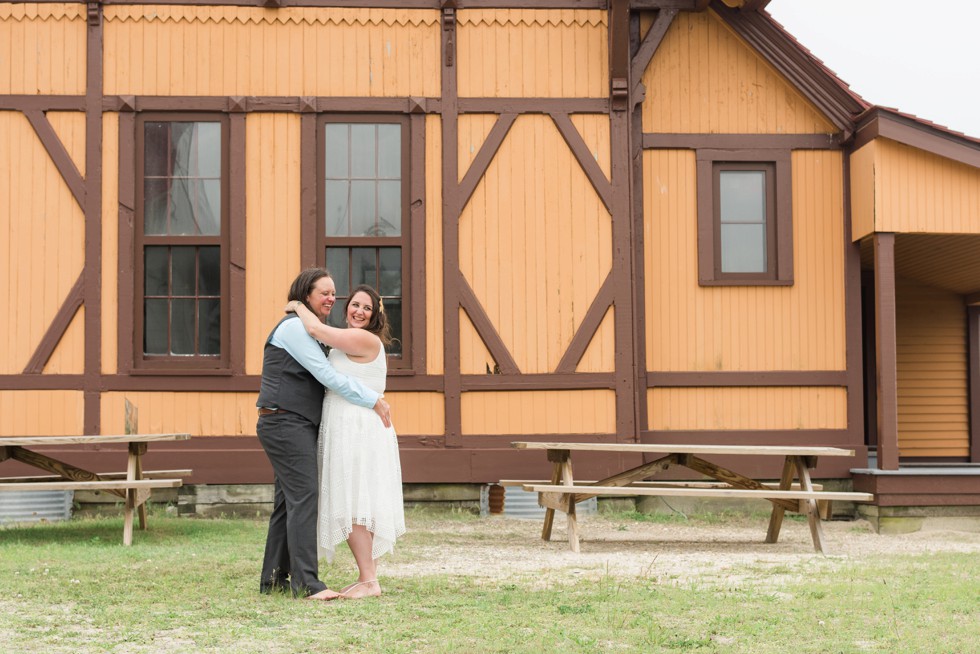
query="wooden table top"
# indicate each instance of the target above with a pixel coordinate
(24, 441)
(678, 448)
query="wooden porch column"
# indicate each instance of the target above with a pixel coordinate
(886, 351)
(973, 365)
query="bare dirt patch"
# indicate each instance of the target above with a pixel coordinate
(730, 552)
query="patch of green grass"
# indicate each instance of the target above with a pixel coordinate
(189, 585)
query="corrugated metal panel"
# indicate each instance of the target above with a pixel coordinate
(690, 327)
(523, 505)
(41, 413)
(35, 506)
(272, 239)
(539, 412)
(922, 192)
(747, 408)
(535, 210)
(47, 220)
(933, 385)
(532, 53)
(182, 50)
(42, 48)
(705, 79)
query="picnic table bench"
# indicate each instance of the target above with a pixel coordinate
(132, 485)
(562, 492)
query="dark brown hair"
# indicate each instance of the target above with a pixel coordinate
(378, 325)
(303, 284)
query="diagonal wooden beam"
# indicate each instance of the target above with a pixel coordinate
(585, 158)
(57, 328)
(59, 155)
(484, 327)
(651, 42)
(483, 158)
(590, 324)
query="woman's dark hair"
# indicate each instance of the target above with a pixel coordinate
(303, 284)
(378, 325)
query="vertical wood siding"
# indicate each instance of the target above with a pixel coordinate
(539, 412)
(600, 356)
(433, 246)
(199, 414)
(532, 53)
(690, 327)
(272, 239)
(110, 243)
(41, 413)
(747, 408)
(181, 50)
(41, 244)
(922, 192)
(42, 48)
(933, 391)
(475, 358)
(417, 414)
(705, 79)
(864, 165)
(535, 244)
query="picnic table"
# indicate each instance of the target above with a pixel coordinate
(563, 492)
(133, 485)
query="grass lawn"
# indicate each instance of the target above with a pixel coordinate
(189, 585)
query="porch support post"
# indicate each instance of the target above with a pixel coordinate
(973, 351)
(886, 351)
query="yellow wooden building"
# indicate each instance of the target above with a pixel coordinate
(622, 221)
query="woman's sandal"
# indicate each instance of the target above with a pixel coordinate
(346, 589)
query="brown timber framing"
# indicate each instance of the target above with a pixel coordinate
(853, 336)
(92, 419)
(886, 350)
(973, 352)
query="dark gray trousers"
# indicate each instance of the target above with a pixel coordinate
(289, 440)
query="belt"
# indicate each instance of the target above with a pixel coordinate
(263, 411)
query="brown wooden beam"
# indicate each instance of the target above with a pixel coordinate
(57, 328)
(584, 157)
(485, 328)
(481, 161)
(973, 352)
(654, 37)
(587, 329)
(730, 378)
(742, 141)
(886, 350)
(59, 155)
(539, 382)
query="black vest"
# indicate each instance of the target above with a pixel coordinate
(287, 385)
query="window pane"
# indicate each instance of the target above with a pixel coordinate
(208, 207)
(393, 309)
(182, 326)
(337, 207)
(336, 149)
(209, 272)
(363, 147)
(155, 322)
(743, 248)
(156, 271)
(743, 196)
(183, 260)
(338, 263)
(206, 150)
(209, 326)
(156, 200)
(182, 203)
(390, 151)
(363, 208)
(336, 317)
(389, 209)
(390, 282)
(156, 149)
(364, 267)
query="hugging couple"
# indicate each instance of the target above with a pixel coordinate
(327, 431)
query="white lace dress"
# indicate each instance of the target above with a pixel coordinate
(360, 472)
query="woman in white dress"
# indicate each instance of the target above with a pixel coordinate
(361, 482)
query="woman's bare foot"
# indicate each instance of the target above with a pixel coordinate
(362, 589)
(324, 595)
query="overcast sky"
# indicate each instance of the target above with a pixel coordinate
(922, 58)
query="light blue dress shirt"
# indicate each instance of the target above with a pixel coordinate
(291, 336)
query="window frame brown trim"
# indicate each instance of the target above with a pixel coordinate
(141, 362)
(403, 364)
(778, 167)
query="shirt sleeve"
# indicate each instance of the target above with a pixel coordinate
(291, 336)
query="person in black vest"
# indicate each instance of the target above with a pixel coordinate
(295, 371)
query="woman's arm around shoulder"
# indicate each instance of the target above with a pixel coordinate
(356, 343)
